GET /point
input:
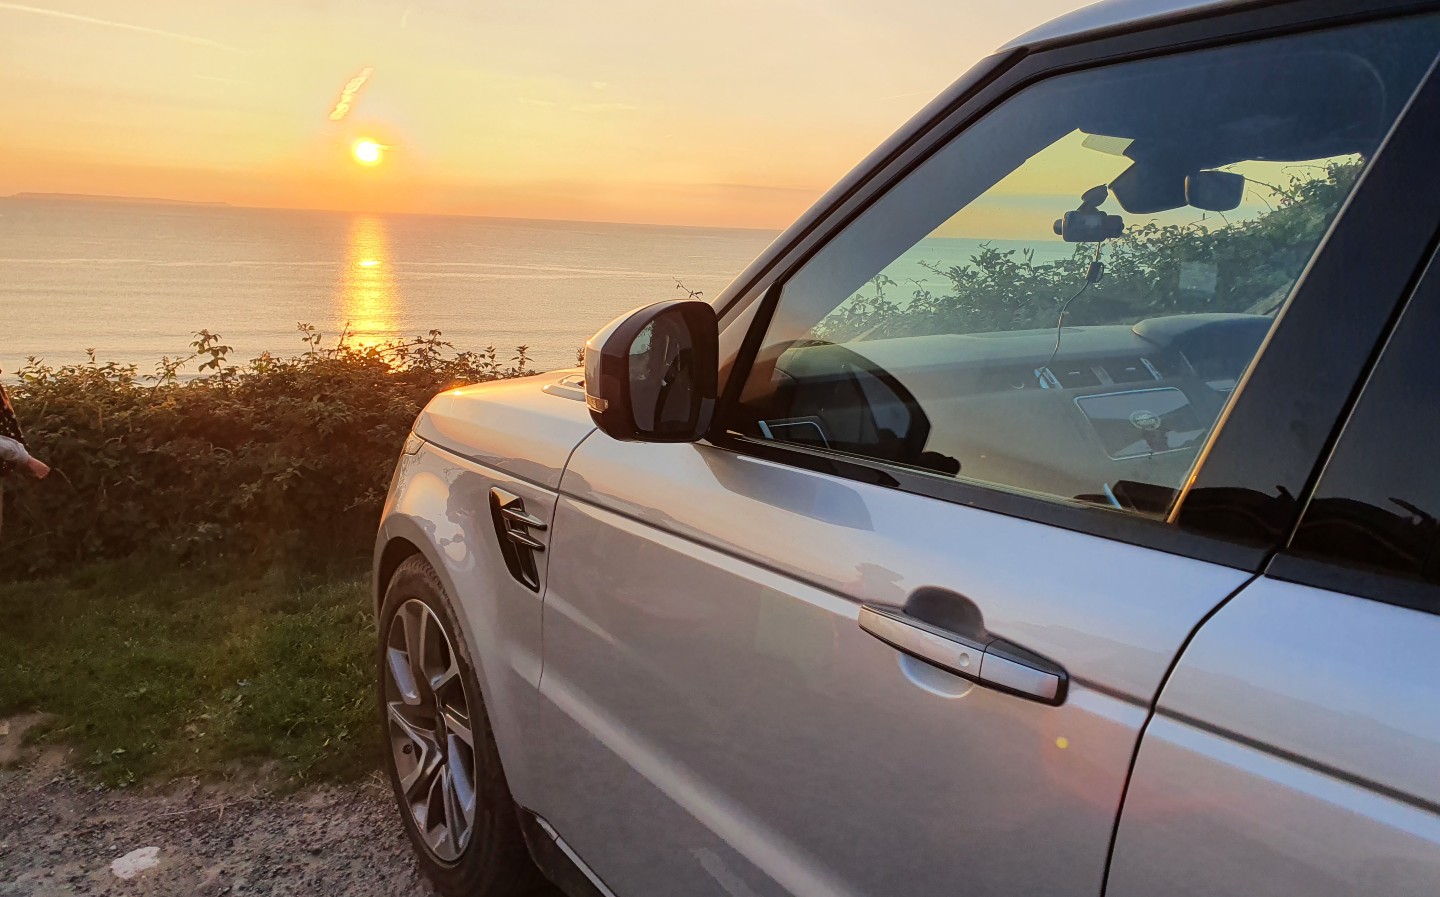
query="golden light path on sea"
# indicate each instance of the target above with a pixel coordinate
(367, 300)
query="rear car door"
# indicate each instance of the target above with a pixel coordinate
(1295, 749)
(897, 627)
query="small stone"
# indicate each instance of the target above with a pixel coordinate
(135, 862)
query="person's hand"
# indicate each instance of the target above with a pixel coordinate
(38, 469)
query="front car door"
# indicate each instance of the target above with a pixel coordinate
(896, 628)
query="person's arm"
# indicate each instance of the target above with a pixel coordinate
(13, 450)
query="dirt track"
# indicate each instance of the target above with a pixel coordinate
(59, 835)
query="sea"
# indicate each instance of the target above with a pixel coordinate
(134, 281)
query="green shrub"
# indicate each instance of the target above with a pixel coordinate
(284, 459)
(1256, 261)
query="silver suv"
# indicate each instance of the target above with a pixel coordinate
(1052, 510)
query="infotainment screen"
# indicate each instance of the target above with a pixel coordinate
(1143, 422)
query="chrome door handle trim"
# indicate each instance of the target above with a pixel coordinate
(997, 663)
(904, 633)
(1019, 678)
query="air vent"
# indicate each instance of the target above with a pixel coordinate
(513, 525)
(1071, 376)
(1131, 370)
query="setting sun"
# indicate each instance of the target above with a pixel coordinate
(367, 152)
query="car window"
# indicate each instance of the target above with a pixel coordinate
(1376, 508)
(1063, 298)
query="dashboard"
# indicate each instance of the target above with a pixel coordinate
(1116, 416)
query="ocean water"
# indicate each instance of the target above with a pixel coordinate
(135, 281)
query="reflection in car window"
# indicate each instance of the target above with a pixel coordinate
(1063, 298)
(1377, 506)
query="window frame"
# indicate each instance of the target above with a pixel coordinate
(1335, 575)
(1364, 228)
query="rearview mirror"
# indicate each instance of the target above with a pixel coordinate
(1214, 191)
(1152, 186)
(651, 375)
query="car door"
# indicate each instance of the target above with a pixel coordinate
(897, 625)
(1295, 748)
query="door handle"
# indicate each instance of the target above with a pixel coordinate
(993, 662)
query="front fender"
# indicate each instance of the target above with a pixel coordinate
(439, 507)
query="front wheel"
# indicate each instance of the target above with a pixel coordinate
(440, 753)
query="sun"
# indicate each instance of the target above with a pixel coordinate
(367, 152)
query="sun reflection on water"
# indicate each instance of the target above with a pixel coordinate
(367, 299)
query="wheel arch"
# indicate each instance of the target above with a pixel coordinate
(388, 557)
(499, 625)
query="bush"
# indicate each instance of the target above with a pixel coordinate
(1256, 261)
(281, 458)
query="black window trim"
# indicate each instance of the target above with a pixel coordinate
(1341, 576)
(1402, 156)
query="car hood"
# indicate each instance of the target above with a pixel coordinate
(526, 427)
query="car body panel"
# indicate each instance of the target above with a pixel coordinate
(440, 504)
(1265, 668)
(510, 425)
(1294, 751)
(1112, 14)
(713, 715)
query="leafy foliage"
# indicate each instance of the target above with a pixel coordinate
(281, 458)
(1255, 263)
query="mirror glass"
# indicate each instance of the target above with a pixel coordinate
(663, 390)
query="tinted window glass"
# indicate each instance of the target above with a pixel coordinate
(1376, 506)
(1062, 299)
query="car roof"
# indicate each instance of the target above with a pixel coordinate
(1110, 14)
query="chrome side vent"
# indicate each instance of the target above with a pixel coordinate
(513, 526)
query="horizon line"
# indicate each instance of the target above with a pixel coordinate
(61, 197)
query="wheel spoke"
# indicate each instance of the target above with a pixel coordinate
(450, 674)
(457, 723)
(416, 622)
(398, 664)
(455, 825)
(400, 716)
(462, 782)
(421, 781)
(435, 830)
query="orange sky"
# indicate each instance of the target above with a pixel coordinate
(736, 113)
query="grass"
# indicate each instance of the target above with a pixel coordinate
(155, 671)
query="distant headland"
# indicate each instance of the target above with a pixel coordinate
(95, 198)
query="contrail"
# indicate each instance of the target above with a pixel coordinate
(347, 96)
(123, 26)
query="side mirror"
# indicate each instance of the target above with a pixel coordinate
(651, 375)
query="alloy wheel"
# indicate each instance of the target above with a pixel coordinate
(431, 736)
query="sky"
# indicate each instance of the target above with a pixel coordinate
(699, 112)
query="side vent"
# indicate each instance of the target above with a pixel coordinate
(513, 525)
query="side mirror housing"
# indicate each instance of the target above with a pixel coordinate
(651, 375)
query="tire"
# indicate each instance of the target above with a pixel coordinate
(426, 709)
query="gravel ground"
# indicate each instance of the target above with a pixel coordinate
(60, 835)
